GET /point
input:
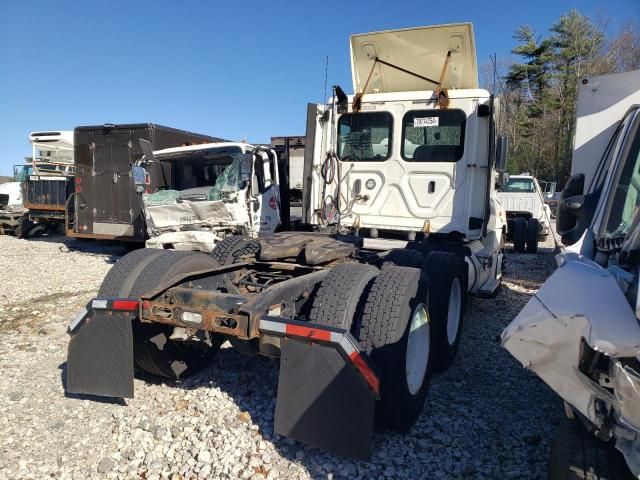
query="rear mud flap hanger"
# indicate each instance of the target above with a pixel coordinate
(327, 385)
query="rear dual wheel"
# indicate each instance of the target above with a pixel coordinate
(155, 353)
(387, 312)
(533, 228)
(447, 275)
(446, 272)
(525, 235)
(519, 234)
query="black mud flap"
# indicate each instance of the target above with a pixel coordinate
(100, 355)
(323, 400)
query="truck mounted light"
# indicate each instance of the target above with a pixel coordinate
(192, 318)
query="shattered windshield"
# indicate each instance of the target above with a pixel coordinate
(201, 178)
(433, 135)
(626, 196)
(199, 168)
(229, 181)
(364, 136)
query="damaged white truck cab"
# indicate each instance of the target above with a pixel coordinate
(217, 190)
(580, 332)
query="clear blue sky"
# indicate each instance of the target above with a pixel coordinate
(222, 68)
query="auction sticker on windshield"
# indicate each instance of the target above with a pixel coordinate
(426, 122)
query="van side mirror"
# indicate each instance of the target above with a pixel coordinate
(502, 150)
(575, 210)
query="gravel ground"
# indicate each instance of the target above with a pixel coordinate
(484, 418)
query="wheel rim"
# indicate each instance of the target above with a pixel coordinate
(453, 316)
(418, 346)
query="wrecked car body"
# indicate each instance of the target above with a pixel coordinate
(213, 196)
(580, 332)
(585, 347)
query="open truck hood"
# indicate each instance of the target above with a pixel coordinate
(421, 50)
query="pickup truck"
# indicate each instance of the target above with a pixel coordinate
(528, 215)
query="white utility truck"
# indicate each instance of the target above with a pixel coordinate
(528, 216)
(12, 211)
(580, 332)
(212, 197)
(366, 297)
(49, 181)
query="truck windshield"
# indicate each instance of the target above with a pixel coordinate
(518, 185)
(200, 168)
(433, 135)
(626, 196)
(365, 136)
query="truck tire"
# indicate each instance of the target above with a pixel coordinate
(519, 234)
(340, 295)
(446, 273)
(533, 227)
(403, 257)
(395, 331)
(577, 455)
(137, 273)
(233, 247)
(36, 230)
(23, 227)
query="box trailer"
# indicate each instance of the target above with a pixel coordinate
(104, 203)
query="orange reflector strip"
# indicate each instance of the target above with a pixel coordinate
(366, 372)
(306, 332)
(126, 305)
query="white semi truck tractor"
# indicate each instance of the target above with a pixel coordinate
(365, 299)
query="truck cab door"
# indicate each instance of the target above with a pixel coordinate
(264, 204)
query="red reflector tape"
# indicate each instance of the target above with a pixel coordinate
(126, 305)
(366, 372)
(306, 332)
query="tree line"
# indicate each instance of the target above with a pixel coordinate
(538, 89)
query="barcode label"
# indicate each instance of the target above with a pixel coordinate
(426, 122)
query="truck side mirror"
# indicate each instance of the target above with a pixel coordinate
(575, 210)
(246, 167)
(502, 149)
(139, 175)
(503, 177)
